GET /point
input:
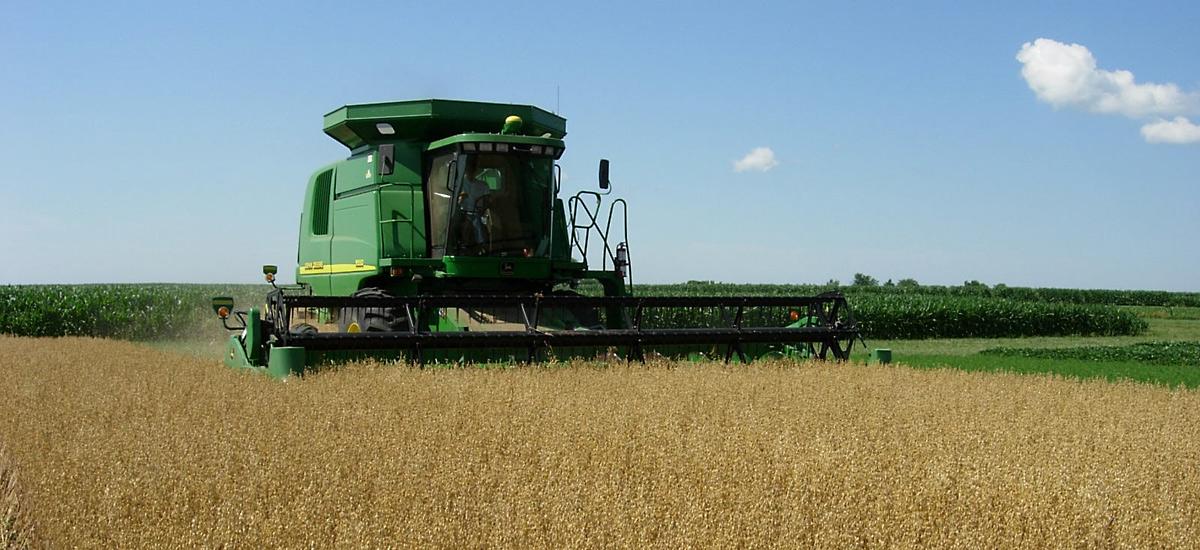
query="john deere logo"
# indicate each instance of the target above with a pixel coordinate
(506, 268)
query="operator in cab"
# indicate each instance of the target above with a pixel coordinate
(476, 221)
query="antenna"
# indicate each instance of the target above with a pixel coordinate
(557, 96)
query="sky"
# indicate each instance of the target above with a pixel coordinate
(1033, 144)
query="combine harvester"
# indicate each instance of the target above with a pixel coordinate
(443, 238)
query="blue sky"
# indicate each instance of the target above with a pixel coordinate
(146, 142)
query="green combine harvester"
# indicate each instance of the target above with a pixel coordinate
(443, 238)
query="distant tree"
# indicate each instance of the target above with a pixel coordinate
(833, 283)
(974, 285)
(908, 283)
(889, 283)
(862, 279)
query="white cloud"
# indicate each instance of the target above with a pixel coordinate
(1179, 130)
(1065, 75)
(760, 159)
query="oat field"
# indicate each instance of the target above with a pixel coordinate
(116, 444)
(14, 533)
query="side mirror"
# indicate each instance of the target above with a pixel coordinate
(222, 306)
(604, 174)
(387, 159)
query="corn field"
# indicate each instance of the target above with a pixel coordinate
(149, 312)
(898, 316)
(129, 311)
(1082, 296)
(121, 445)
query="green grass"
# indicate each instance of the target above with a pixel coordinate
(1064, 355)
(1155, 353)
(1165, 375)
(1159, 330)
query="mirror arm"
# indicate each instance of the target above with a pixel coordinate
(241, 315)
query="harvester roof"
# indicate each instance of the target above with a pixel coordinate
(432, 119)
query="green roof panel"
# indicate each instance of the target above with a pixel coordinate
(433, 119)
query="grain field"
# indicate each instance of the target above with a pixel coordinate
(120, 445)
(14, 528)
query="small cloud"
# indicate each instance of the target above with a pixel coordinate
(760, 159)
(1179, 130)
(1066, 75)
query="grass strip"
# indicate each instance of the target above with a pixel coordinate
(1082, 369)
(1157, 353)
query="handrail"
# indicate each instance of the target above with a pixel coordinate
(624, 237)
(583, 245)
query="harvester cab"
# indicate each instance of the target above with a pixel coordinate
(443, 236)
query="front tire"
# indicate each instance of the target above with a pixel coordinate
(372, 319)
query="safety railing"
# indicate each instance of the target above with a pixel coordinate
(585, 209)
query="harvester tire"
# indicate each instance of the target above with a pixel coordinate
(304, 329)
(372, 319)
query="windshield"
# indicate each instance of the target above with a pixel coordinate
(490, 204)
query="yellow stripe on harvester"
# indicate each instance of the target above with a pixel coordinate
(321, 268)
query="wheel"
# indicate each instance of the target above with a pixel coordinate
(304, 329)
(360, 319)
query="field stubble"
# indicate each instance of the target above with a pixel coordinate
(123, 445)
(14, 528)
